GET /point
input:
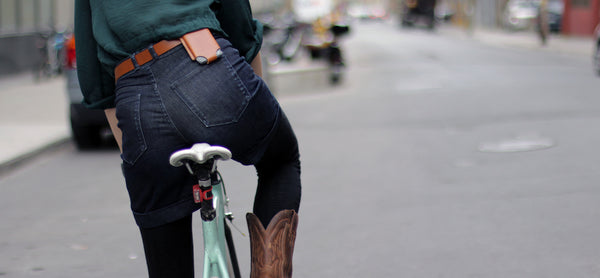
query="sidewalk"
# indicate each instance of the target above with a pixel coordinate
(34, 116)
(570, 45)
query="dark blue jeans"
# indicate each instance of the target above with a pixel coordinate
(173, 102)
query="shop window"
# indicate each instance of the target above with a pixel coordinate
(8, 17)
(28, 18)
(44, 20)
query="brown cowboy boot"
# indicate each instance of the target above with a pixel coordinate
(272, 249)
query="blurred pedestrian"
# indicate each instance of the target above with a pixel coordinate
(131, 62)
(542, 22)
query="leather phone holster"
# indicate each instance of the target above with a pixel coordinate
(201, 46)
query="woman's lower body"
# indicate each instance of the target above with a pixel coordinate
(173, 102)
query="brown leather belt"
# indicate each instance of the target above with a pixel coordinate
(144, 56)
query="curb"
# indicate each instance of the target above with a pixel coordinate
(51, 147)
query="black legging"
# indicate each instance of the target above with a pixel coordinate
(169, 248)
(278, 175)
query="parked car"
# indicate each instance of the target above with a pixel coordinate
(596, 60)
(520, 14)
(89, 127)
(367, 12)
(417, 11)
(444, 12)
(556, 9)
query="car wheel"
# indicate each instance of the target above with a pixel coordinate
(597, 59)
(86, 137)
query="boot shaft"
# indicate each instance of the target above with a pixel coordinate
(272, 248)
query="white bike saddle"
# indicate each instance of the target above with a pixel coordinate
(199, 153)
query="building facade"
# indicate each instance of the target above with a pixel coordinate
(23, 26)
(25, 23)
(581, 17)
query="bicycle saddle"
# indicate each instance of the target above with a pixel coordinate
(199, 153)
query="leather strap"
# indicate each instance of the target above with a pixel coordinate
(144, 57)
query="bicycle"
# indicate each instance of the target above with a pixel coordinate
(220, 260)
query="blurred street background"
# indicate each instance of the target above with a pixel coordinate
(455, 146)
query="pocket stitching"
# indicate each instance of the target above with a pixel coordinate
(140, 138)
(202, 116)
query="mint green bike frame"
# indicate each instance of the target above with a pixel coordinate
(216, 257)
(220, 260)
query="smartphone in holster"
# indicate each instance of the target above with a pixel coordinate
(201, 46)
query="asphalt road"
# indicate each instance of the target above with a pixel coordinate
(437, 157)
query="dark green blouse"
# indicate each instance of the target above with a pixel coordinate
(108, 31)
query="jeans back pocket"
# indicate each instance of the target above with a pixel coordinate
(213, 92)
(134, 143)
